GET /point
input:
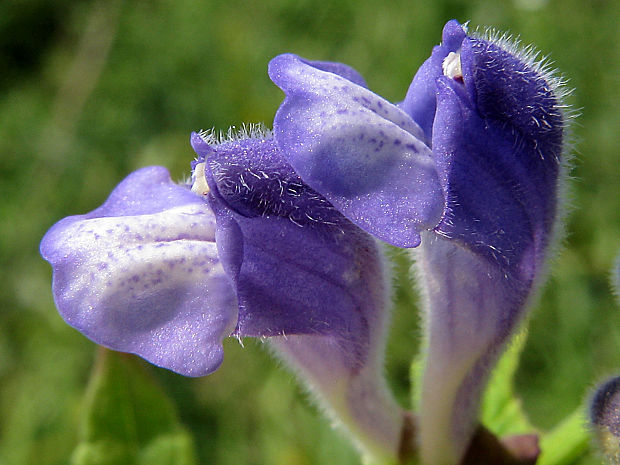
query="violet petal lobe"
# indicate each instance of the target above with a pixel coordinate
(141, 274)
(362, 153)
(497, 139)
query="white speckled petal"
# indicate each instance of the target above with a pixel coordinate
(150, 284)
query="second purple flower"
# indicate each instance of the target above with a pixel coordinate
(470, 165)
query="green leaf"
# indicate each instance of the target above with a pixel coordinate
(501, 410)
(128, 419)
(566, 442)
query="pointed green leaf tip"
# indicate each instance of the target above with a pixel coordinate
(567, 442)
(128, 419)
(502, 411)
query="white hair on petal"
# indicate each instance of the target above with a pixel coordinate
(233, 134)
(539, 63)
(542, 65)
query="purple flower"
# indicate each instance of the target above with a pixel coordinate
(273, 237)
(471, 162)
(167, 271)
(605, 418)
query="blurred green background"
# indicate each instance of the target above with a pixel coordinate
(90, 91)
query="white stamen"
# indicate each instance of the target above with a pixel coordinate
(452, 66)
(199, 181)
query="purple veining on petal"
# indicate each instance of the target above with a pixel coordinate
(304, 281)
(141, 274)
(358, 150)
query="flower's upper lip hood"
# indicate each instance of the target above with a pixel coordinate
(509, 87)
(497, 127)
